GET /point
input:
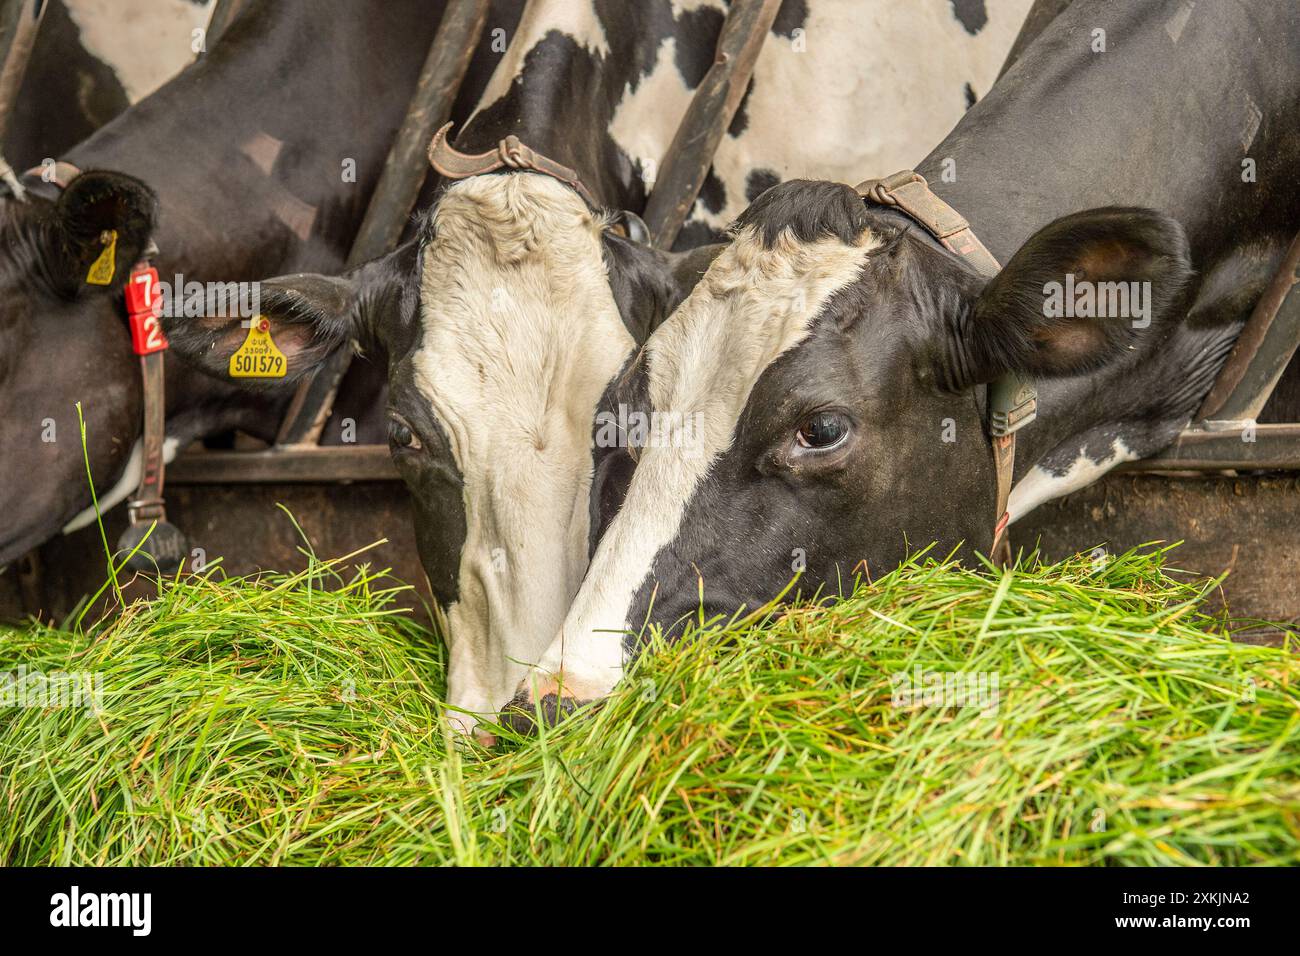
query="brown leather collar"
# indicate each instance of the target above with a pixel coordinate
(1013, 402)
(509, 153)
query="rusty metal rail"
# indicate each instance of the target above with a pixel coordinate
(1224, 435)
(19, 21)
(1263, 350)
(707, 118)
(1260, 448)
(394, 197)
(306, 463)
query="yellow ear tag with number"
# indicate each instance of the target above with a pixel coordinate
(102, 269)
(258, 357)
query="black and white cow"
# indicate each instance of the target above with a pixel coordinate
(503, 324)
(896, 76)
(92, 59)
(834, 355)
(237, 168)
(507, 321)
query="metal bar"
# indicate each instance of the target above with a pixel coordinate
(1265, 346)
(19, 20)
(1269, 448)
(1260, 448)
(395, 195)
(707, 118)
(223, 14)
(311, 464)
(407, 164)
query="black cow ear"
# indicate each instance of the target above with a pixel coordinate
(104, 222)
(295, 324)
(1079, 293)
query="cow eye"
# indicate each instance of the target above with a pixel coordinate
(401, 436)
(823, 430)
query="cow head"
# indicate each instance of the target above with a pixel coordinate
(831, 361)
(62, 339)
(503, 323)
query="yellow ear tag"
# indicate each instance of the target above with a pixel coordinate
(258, 357)
(101, 270)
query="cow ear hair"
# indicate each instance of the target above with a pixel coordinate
(308, 317)
(104, 223)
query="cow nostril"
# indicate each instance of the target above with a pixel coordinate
(521, 714)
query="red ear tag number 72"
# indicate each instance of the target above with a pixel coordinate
(142, 305)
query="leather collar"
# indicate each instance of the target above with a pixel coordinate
(1012, 401)
(510, 153)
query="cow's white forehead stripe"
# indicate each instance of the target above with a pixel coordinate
(521, 336)
(753, 305)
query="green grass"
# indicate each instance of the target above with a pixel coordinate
(295, 720)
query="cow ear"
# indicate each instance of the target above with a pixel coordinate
(303, 318)
(104, 223)
(1081, 292)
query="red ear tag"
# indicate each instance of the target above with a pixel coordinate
(142, 305)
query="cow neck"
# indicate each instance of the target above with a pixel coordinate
(1055, 134)
(1012, 402)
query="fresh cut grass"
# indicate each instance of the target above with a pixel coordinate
(1079, 713)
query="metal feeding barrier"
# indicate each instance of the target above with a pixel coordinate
(1225, 435)
(297, 455)
(394, 197)
(712, 108)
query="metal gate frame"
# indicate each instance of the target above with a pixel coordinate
(1225, 435)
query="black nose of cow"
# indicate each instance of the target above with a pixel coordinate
(521, 714)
